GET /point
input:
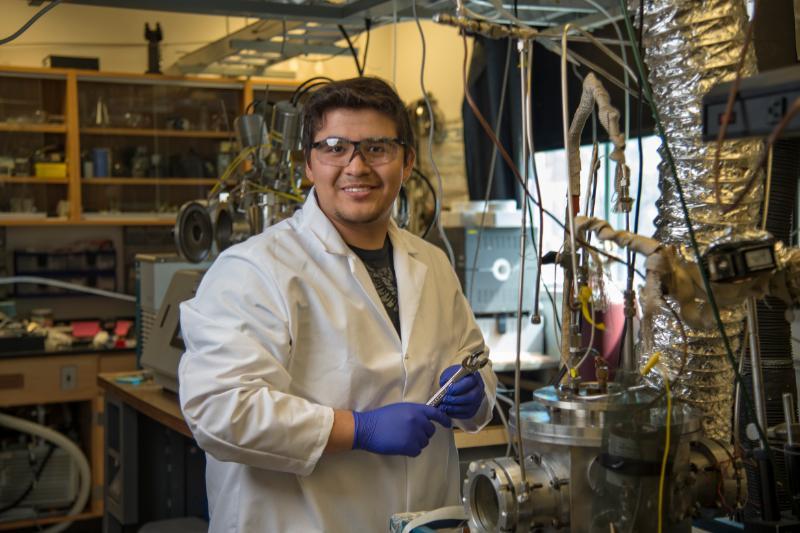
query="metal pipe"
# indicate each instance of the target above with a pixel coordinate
(523, 48)
(755, 363)
(770, 509)
(489, 29)
(788, 416)
(628, 362)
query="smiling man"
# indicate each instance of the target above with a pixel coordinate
(313, 347)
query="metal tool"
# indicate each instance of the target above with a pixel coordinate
(471, 363)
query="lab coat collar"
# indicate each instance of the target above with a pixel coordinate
(409, 270)
(315, 220)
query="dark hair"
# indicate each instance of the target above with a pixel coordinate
(356, 93)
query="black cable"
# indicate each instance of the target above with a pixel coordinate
(367, 26)
(639, 129)
(309, 80)
(632, 259)
(19, 499)
(433, 194)
(352, 50)
(285, 36)
(30, 23)
(296, 98)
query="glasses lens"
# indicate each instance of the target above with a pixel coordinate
(378, 151)
(335, 151)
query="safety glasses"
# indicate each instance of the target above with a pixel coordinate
(339, 152)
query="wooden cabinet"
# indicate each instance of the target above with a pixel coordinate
(50, 379)
(118, 149)
(33, 126)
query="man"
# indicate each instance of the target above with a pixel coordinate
(313, 347)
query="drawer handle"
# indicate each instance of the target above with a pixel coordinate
(12, 381)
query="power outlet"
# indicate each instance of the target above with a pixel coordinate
(761, 104)
(69, 377)
(776, 110)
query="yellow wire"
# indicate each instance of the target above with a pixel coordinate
(653, 361)
(585, 297)
(666, 450)
(234, 165)
(288, 196)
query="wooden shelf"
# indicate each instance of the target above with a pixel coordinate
(34, 180)
(488, 436)
(26, 221)
(31, 523)
(143, 132)
(95, 221)
(32, 128)
(149, 181)
(122, 220)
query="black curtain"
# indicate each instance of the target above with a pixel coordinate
(485, 82)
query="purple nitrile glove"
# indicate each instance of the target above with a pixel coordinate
(397, 429)
(464, 397)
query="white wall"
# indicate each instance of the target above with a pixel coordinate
(116, 36)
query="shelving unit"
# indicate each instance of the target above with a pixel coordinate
(32, 179)
(141, 132)
(149, 181)
(170, 124)
(32, 128)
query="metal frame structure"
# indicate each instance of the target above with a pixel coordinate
(299, 27)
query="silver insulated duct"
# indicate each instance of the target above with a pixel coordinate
(690, 46)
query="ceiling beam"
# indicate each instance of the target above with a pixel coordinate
(222, 48)
(240, 8)
(288, 49)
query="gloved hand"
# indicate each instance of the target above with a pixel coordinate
(397, 429)
(465, 395)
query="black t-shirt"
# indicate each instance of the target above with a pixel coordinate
(380, 265)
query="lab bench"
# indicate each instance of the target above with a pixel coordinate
(65, 377)
(154, 469)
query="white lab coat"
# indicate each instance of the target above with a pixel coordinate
(284, 328)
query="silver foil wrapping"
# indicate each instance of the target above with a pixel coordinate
(690, 46)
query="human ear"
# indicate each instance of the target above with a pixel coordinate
(309, 173)
(408, 165)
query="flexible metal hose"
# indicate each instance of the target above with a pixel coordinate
(691, 45)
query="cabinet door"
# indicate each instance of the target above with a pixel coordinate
(148, 147)
(50, 379)
(33, 148)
